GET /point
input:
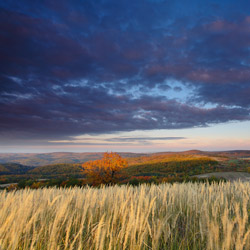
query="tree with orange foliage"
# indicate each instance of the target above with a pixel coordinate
(106, 170)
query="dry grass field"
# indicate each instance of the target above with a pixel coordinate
(178, 216)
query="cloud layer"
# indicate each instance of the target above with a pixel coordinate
(72, 68)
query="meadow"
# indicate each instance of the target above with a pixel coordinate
(165, 216)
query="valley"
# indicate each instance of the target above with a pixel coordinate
(161, 167)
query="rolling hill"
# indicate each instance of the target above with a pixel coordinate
(57, 169)
(172, 165)
(133, 158)
(13, 168)
(192, 162)
(55, 158)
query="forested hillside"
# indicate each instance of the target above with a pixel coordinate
(13, 168)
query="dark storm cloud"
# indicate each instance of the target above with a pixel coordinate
(70, 68)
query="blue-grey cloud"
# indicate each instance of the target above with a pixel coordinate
(132, 139)
(71, 68)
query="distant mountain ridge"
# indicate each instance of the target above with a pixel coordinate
(36, 160)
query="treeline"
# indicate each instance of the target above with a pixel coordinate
(133, 180)
(35, 184)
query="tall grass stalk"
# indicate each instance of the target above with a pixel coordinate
(178, 216)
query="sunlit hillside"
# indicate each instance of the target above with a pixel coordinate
(173, 157)
(178, 216)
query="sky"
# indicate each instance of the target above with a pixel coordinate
(127, 75)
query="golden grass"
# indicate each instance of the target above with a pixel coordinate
(178, 216)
